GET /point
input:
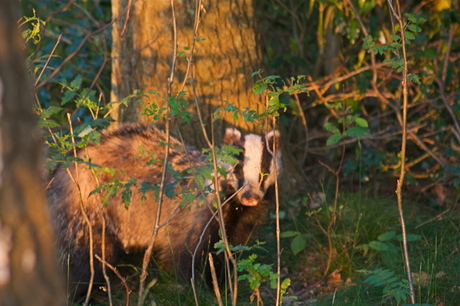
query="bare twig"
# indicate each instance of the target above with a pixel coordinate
(400, 183)
(128, 10)
(149, 250)
(115, 270)
(278, 225)
(104, 270)
(65, 61)
(220, 216)
(48, 59)
(210, 142)
(85, 217)
(453, 28)
(305, 127)
(88, 35)
(328, 230)
(215, 284)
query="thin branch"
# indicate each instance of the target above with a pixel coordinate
(400, 183)
(85, 217)
(278, 225)
(115, 270)
(452, 30)
(65, 61)
(104, 270)
(128, 10)
(48, 59)
(148, 251)
(215, 284)
(220, 214)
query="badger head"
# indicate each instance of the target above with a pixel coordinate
(259, 164)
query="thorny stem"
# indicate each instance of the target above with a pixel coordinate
(398, 17)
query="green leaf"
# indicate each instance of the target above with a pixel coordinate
(413, 78)
(368, 42)
(259, 88)
(365, 248)
(334, 139)
(126, 196)
(395, 63)
(395, 37)
(414, 28)
(287, 234)
(382, 49)
(272, 77)
(331, 128)
(187, 197)
(378, 246)
(48, 124)
(357, 131)
(46, 113)
(409, 35)
(298, 244)
(68, 95)
(387, 236)
(361, 122)
(414, 19)
(76, 83)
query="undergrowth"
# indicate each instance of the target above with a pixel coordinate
(367, 261)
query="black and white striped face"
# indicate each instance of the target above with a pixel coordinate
(260, 163)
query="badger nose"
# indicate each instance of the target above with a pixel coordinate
(250, 199)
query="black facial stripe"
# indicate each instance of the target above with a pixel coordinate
(238, 169)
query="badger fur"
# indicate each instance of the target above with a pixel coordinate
(137, 152)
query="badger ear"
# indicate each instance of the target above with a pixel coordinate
(273, 138)
(232, 136)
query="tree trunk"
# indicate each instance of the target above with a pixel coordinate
(224, 58)
(29, 273)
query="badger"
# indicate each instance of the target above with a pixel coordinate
(123, 221)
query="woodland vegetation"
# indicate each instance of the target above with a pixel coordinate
(365, 94)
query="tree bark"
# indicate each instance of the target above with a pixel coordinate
(224, 58)
(29, 273)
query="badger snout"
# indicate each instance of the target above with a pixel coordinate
(250, 197)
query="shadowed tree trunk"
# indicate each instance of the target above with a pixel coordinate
(29, 273)
(225, 56)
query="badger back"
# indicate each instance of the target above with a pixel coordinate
(259, 164)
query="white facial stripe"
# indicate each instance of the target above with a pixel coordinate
(253, 148)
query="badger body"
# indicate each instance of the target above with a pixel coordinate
(136, 152)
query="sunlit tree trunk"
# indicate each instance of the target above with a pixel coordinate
(29, 273)
(225, 56)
